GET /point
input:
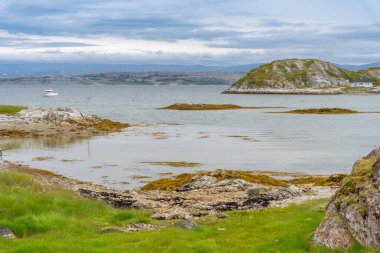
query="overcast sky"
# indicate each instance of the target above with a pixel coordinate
(209, 32)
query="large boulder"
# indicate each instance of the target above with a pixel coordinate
(354, 211)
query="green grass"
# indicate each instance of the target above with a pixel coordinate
(10, 109)
(60, 221)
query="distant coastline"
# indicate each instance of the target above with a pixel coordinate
(306, 91)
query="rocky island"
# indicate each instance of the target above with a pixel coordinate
(306, 76)
(23, 122)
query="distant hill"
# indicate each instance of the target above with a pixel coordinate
(360, 67)
(143, 78)
(303, 76)
(373, 74)
(296, 73)
(53, 69)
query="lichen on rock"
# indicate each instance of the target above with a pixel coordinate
(354, 211)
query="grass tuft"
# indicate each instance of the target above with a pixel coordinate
(10, 109)
(333, 180)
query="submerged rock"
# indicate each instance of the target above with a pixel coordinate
(354, 211)
(6, 233)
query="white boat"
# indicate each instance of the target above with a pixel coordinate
(50, 93)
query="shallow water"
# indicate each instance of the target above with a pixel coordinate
(238, 139)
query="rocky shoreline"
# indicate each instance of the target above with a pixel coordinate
(36, 122)
(202, 196)
(310, 91)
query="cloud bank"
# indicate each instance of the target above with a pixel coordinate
(210, 32)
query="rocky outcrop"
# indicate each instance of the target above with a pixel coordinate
(36, 122)
(354, 211)
(203, 195)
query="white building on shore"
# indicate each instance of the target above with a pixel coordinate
(361, 82)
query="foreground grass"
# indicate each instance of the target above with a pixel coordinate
(10, 109)
(53, 220)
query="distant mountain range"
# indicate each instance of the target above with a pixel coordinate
(128, 78)
(360, 67)
(53, 69)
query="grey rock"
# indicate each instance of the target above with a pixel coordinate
(253, 193)
(333, 233)
(185, 224)
(237, 184)
(116, 199)
(172, 214)
(6, 233)
(131, 228)
(199, 182)
(375, 152)
(354, 212)
(285, 193)
(222, 216)
(145, 204)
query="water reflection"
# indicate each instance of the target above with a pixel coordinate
(39, 143)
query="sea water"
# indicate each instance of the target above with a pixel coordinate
(231, 139)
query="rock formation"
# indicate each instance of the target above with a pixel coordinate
(301, 76)
(354, 211)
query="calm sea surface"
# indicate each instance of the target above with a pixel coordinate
(239, 139)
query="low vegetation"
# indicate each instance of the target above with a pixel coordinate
(56, 220)
(175, 164)
(322, 111)
(107, 125)
(10, 109)
(332, 180)
(200, 107)
(360, 177)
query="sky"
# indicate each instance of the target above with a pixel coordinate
(206, 32)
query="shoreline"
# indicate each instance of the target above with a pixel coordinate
(299, 92)
(204, 195)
